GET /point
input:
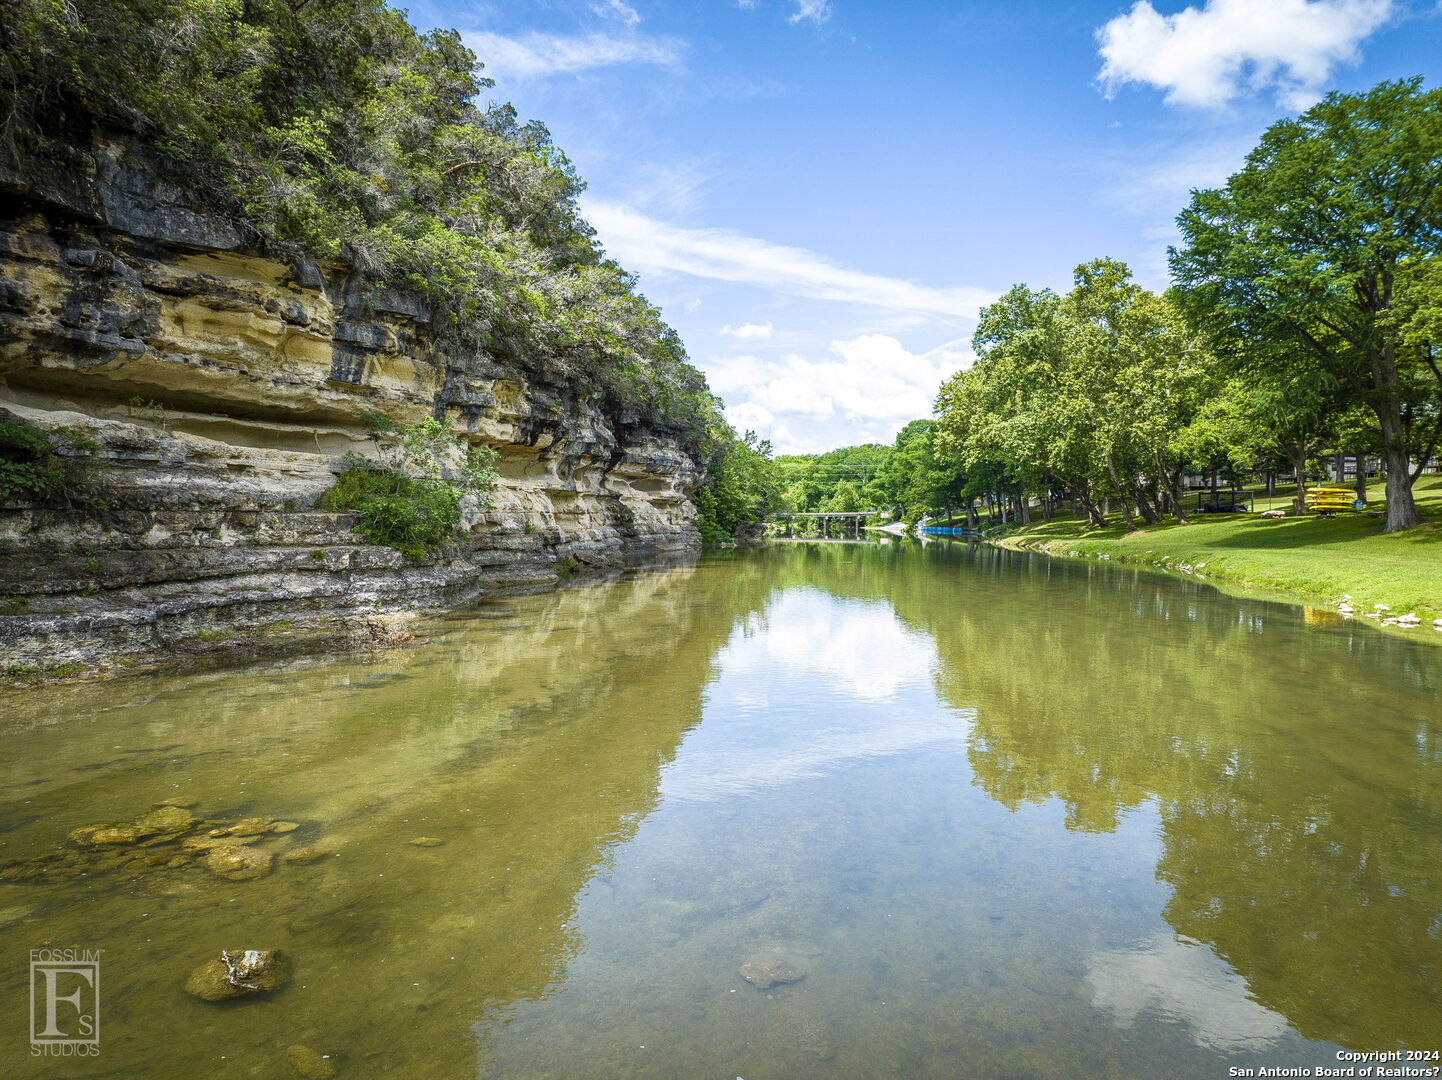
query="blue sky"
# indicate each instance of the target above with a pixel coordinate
(821, 193)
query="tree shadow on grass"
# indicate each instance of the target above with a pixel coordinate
(1259, 534)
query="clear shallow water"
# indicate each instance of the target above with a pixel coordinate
(1010, 817)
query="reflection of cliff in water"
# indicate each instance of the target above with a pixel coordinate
(532, 752)
(1300, 799)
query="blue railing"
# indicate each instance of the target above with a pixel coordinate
(949, 530)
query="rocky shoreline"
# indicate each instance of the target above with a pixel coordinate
(221, 387)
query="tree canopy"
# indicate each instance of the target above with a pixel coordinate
(1305, 256)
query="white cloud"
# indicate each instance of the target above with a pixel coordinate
(645, 244)
(748, 416)
(537, 55)
(817, 11)
(1205, 56)
(749, 331)
(871, 379)
(615, 9)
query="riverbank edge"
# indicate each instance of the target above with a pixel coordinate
(331, 635)
(1218, 579)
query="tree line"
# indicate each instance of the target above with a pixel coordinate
(1303, 322)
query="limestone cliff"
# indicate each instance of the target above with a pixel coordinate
(223, 386)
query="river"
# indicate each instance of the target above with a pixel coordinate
(978, 814)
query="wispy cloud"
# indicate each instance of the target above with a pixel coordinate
(1205, 56)
(817, 11)
(536, 55)
(615, 9)
(749, 331)
(645, 244)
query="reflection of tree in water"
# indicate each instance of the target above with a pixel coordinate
(1296, 771)
(530, 735)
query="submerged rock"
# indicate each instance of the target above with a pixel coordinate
(113, 834)
(308, 1063)
(239, 863)
(302, 855)
(235, 974)
(183, 803)
(210, 843)
(166, 819)
(764, 972)
(282, 827)
(426, 841)
(253, 826)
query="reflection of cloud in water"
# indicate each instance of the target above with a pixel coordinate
(858, 648)
(1186, 983)
(814, 684)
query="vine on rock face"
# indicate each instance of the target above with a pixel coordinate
(409, 496)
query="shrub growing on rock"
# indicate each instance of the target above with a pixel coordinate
(409, 496)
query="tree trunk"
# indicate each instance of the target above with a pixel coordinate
(1178, 498)
(1339, 466)
(1145, 507)
(1299, 462)
(1401, 506)
(1024, 508)
(970, 514)
(1046, 508)
(1361, 476)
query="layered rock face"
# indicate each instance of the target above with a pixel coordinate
(223, 388)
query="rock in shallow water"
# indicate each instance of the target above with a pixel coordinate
(252, 826)
(239, 863)
(303, 855)
(235, 974)
(764, 972)
(309, 1064)
(112, 834)
(426, 841)
(166, 819)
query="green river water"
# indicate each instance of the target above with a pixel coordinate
(1005, 816)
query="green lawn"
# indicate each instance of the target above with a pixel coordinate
(1309, 558)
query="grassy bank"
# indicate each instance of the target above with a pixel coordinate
(1310, 559)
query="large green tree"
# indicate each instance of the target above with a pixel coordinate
(1305, 247)
(1092, 391)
